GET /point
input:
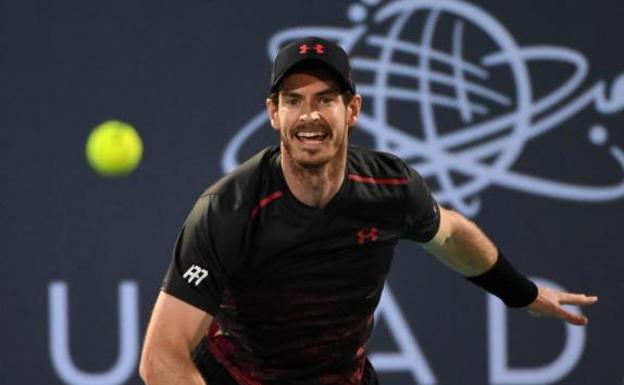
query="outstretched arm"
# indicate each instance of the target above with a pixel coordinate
(174, 330)
(462, 246)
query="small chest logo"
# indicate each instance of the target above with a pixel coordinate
(195, 273)
(369, 235)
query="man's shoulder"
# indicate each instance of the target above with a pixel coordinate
(239, 188)
(375, 163)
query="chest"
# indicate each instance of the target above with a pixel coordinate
(356, 236)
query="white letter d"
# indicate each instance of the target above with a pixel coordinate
(501, 373)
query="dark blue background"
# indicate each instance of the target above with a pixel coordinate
(188, 75)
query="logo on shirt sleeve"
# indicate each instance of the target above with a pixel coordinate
(195, 273)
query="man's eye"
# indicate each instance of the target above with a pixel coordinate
(292, 102)
(327, 99)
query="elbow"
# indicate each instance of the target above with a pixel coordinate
(147, 367)
(159, 362)
(144, 370)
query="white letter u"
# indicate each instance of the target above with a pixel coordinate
(128, 337)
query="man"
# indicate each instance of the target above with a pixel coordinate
(280, 265)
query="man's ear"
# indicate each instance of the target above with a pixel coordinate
(353, 110)
(272, 112)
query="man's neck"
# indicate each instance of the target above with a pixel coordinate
(312, 186)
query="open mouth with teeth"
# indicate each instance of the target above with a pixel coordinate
(311, 137)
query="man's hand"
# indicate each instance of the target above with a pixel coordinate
(549, 301)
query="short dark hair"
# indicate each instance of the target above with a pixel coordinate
(346, 93)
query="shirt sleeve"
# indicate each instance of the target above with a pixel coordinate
(196, 274)
(423, 214)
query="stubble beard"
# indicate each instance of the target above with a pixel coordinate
(301, 160)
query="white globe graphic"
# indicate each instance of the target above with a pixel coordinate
(440, 91)
(446, 87)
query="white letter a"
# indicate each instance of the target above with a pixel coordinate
(409, 358)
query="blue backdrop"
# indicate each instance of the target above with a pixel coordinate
(513, 111)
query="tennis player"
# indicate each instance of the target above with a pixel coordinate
(280, 265)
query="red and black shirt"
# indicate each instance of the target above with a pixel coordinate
(293, 288)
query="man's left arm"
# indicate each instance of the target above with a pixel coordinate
(462, 246)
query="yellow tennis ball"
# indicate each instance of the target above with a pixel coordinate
(114, 148)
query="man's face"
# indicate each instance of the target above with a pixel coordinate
(312, 118)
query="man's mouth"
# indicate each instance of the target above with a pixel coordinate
(311, 137)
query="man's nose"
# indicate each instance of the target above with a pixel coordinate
(310, 113)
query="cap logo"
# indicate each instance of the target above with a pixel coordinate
(318, 48)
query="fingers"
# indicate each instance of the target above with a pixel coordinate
(577, 299)
(574, 299)
(575, 319)
(553, 309)
(550, 302)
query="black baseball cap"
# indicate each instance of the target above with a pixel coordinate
(312, 49)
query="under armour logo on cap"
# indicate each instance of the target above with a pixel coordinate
(318, 48)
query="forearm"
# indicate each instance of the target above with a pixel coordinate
(462, 246)
(169, 367)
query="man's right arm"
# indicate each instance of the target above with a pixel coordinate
(173, 331)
